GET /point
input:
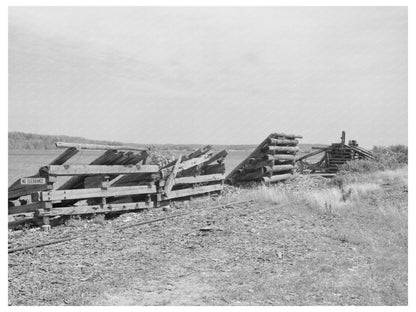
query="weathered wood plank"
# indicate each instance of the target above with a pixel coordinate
(199, 179)
(279, 157)
(29, 208)
(65, 156)
(98, 146)
(96, 192)
(171, 178)
(197, 153)
(194, 191)
(77, 181)
(283, 141)
(286, 136)
(286, 149)
(275, 178)
(219, 156)
(89, 209)
(21, 217)
(214, 169)
(70, 170)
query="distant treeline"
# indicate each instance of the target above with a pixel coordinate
(31, 141)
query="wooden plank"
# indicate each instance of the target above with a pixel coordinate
(275, 178)
(283, 141)
(29, 207)
(286, 136)
(197, 153)
(194, 191)
(171, 178)
(12, 194)
(77, 181)
(286, 149)
(21, 217)
(199, 179)
(98, 146)
(89, 209)
(96, 192)
(279, 157)
(219, 156)
(71, 170)
(193, 162)
(65, 156)
(214, 169)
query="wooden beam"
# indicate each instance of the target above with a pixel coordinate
(171, 178)
(285, 149)
(98, 146)
(96, 192)
(283, 141)
(197, 153)
(219, 156)
(194, 191)
(71, 170)
(193, 162)
(65, 156)
(29, 207)
(275, 178)
(21, 217)
(199, 179)
(279, 157)
(89, 209)
(286, 136)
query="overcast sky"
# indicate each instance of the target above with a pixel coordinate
(210, 75)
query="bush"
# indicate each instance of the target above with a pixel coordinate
(361, 166)
(391, 157)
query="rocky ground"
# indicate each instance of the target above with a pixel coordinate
(258, 253)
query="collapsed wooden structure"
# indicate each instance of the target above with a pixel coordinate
(271, 161)
(121, 179)
(333, 156)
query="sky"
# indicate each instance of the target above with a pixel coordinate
(210, 75)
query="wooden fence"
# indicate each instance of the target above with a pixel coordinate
(121, 179)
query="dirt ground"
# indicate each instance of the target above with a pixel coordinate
(245, 254)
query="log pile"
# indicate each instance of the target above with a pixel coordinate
(332, 157)
(272, 161)
(121, 179)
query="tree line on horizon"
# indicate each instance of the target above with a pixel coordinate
(32, 141)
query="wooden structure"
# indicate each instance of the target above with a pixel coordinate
(332, 157)
(121, 179)
(197, 173)
(272, 161)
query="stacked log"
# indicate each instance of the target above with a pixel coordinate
(272, 161)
